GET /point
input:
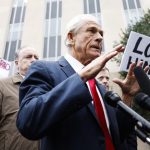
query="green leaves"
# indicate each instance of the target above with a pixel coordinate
(143, 27)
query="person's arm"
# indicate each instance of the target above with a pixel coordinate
(129, 85)
(44, 105)
(91, 70)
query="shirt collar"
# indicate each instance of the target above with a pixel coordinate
(17, 78)
(75, 64)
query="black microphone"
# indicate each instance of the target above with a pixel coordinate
(143, 100)
(142, 79)
(142, 135)
(114, 100)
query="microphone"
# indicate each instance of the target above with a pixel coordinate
(143, 100)
(142, 79)
(143, 136)
(114, 100)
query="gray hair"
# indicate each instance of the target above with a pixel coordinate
(76, 23)
(20, 49)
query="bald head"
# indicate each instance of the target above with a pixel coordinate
(24, 58)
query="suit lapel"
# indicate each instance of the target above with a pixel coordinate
(92, 110)
(68, 70)
(17, 78)
(113, 126)
(66, 67)
(91, 106)
(111, 117)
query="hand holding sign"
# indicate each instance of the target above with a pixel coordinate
(137, 49)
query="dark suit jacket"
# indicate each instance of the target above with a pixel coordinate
(56, 107)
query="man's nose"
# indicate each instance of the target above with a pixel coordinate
(99, 37)
(105, 80)
(33, 59)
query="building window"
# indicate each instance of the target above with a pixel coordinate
(93, 7)
(52, 45)
(133, 11)
(15, 29)
(52, 35)
(17, 14)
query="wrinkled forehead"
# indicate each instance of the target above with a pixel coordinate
(78, 21)
(104, 73)
(27, 51)
(89, 24)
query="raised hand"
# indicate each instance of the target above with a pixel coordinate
(93, 68)
(129, 85)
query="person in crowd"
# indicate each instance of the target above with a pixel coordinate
(103, 78)
(10, 138)
(62, 104)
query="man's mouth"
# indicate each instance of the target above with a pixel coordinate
(96, 47)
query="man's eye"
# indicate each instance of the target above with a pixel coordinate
(101, 78)
(36, 57)
(90, 31)
(29, 56)
(101, 33)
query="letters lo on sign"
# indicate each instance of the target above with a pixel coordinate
(137, 49)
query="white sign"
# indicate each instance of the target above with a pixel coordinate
(4, 68)
(137, 49)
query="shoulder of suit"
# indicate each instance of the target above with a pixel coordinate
(44, 63)
(5, 80)
(12, 79)
(17, 78)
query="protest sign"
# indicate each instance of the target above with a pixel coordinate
(137, 49)
(4, 68)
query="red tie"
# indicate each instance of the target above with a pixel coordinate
(100, 115)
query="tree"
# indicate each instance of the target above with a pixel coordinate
(143, 27)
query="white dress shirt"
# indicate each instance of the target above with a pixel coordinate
(77, 66)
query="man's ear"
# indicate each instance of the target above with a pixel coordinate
(16, 62)
(70, 38)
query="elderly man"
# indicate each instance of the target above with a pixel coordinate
(10, 138)
(56, 97)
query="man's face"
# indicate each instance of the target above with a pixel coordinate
(87, 42)
(25, 59)
(103, 78)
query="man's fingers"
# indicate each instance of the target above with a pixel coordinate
(119, 48)
(109, 55)
(131, 68)
(146, 69)
(106, 57)
(118, 81)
